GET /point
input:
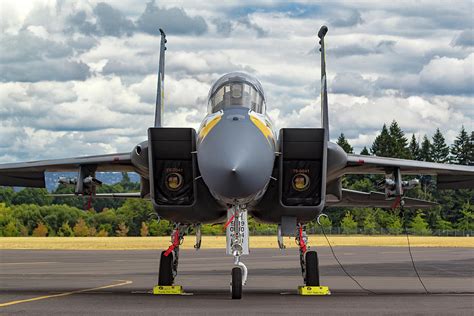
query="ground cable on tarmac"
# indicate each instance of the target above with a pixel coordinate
(342, 267)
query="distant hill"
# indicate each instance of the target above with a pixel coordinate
(51, 178)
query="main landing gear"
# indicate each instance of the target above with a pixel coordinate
(169, 258)
(308, 259)
(169, 261)
(237, 245)
(309, 267)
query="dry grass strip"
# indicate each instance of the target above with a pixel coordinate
(208, 242)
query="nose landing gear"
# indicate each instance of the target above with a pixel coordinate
(237, 245)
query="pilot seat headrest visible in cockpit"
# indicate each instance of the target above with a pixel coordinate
(236, 89)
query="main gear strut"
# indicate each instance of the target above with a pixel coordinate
(308, 259)
(169, 258)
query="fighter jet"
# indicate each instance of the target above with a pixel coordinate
(237, 164)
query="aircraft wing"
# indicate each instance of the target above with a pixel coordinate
(352, 198)
(31, 174)
(448, 176)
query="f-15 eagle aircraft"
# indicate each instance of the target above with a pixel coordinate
(237, 164)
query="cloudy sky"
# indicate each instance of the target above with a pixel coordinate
(78, 77)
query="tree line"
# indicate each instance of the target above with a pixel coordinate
(32, 212)
(456, 207)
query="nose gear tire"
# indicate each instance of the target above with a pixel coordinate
(236, 283)
(312, 269)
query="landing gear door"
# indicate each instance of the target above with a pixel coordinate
(244, 232)
(303, 167)
(172, 171)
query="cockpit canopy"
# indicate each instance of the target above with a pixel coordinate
(236, 89)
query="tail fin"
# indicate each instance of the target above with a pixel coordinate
(160, 93)
(324, 91)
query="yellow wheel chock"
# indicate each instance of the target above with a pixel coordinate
(168, 290)
(313, 290)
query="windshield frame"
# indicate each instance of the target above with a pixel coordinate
(236, 93)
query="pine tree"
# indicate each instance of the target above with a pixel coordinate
(395, 225)
(419, 225)
(462, 149)
(399, 143)
(466, 221)
(102, 233)
(414, 148)
(65, 230)
(370, 223)
(11, 229)
(348, 224)
(81, 229)
(40, 231)
(439, 149)
(342, 141)
(425, 150)
(365, 151)
(382, 143)
(92, 231)
(144, 230)
(122, 230)
(443, 224)
(326, 223)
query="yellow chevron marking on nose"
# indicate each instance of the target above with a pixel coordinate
(207, 128)
(266, 131)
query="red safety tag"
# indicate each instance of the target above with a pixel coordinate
(174, 245)
(396, 203)
(229, 221)
(302, 243)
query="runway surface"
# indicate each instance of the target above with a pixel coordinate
(118, 282)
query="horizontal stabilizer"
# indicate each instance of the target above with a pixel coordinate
(455, 182)
(351, 198)
(22, 179)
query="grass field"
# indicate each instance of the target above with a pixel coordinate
(142, 243)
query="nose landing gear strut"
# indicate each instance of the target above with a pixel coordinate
(237, 245)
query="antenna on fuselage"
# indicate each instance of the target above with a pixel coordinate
(160, 93)
(324, 91)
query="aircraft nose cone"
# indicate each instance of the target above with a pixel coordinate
(235, 159)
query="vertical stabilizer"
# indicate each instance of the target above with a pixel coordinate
(160, 93)
(324, 91)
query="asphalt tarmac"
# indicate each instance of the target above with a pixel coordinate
(42, 282)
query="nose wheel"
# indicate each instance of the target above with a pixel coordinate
(236, 283)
